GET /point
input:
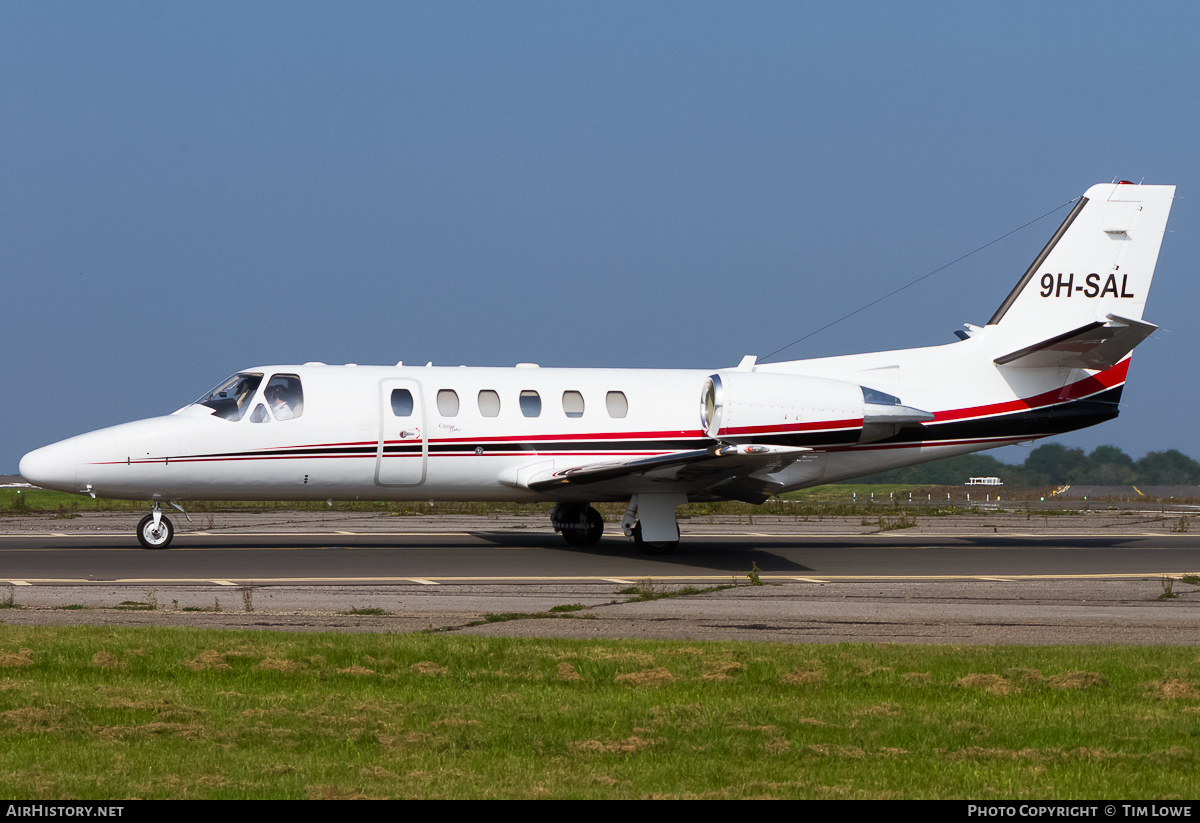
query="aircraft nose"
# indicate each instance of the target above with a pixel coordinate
(52, 467)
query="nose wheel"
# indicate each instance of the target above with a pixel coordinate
(155, 531)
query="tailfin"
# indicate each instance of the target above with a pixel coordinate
(1080, 304)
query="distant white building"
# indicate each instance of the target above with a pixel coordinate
(984, 481)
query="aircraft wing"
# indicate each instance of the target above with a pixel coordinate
(739, 472)
(1094, 346)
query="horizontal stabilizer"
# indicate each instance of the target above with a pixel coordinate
(1096, 346)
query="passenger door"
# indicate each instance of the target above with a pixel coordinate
(403, 450)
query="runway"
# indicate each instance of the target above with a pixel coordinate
(503, 557)
(964, 582)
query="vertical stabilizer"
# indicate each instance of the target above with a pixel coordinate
(1098, 266)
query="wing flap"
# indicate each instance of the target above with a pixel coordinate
(696, 471)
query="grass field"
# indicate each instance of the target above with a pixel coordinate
(107, 713)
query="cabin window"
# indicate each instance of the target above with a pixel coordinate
(489, 403)
(618, 406)
(447, 400)
(531, 403)
(402, 402)
(285, 397)
(231, 398)
(573, 403)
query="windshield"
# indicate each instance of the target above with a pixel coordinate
(232, 397)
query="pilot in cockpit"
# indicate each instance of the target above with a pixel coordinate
(281, 406)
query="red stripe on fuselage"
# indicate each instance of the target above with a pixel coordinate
(788, 428)
(1099, 382)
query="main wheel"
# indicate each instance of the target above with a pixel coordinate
(152, 538)
(588, 536)
(656, 546)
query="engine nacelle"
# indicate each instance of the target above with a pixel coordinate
(781, 408)
(797, 410)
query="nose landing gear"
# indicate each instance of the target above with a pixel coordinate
(154, 535)
(156, 530)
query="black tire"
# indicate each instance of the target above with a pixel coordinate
(656, 546)
(151, 539)
(589, 536)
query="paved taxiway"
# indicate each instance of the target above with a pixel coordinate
(994, 578)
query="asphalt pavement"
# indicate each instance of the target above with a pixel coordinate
(986, 577)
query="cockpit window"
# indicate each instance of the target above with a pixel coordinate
(232, 397)
(285, 396)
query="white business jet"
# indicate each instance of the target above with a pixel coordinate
(1053, 358)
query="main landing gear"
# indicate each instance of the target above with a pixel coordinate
(654, 546)
(579, 523)
(649, 520)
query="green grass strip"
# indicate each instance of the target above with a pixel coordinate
(102, 713)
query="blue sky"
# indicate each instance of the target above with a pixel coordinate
(190, 189)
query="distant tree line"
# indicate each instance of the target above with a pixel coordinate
(1052, 465)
